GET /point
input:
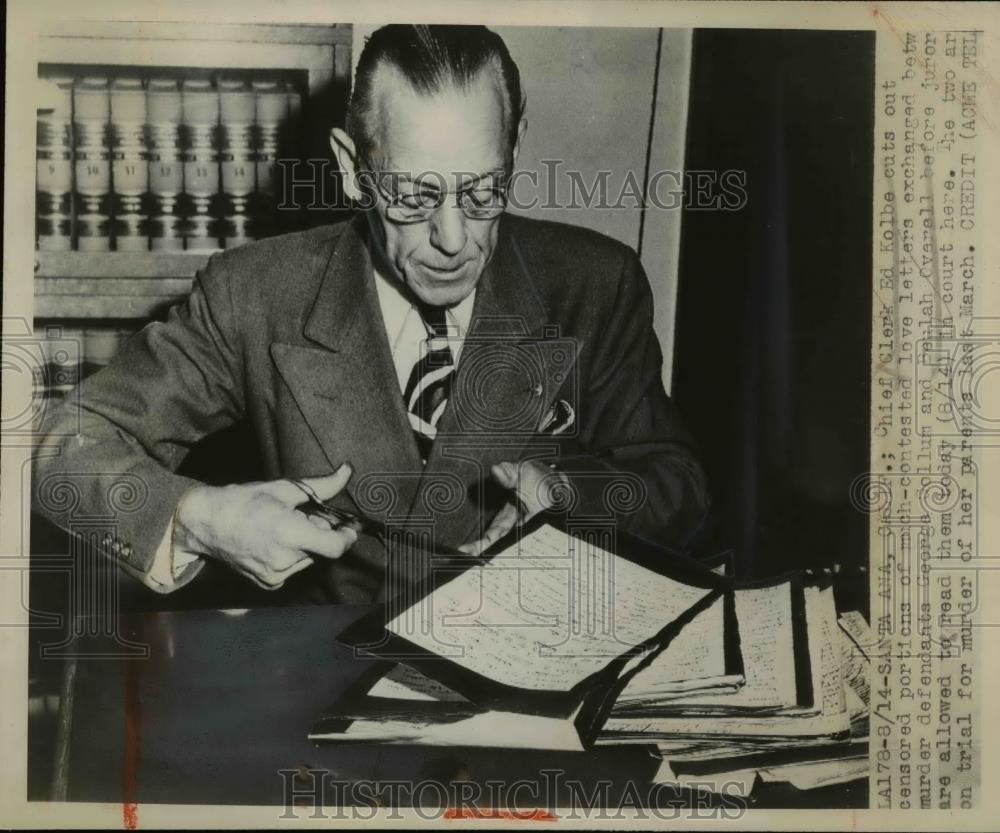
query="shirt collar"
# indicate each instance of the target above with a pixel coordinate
(396, 307)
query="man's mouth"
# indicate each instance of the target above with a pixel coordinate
(446, 271)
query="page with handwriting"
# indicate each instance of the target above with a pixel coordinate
(404, 683)
(694, 659)
(545, 613)
(831, 670)
(764, 616)
(829, 715)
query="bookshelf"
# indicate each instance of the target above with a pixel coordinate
(117, 255)
(135, 285)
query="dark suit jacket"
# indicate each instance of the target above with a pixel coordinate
(287, 334)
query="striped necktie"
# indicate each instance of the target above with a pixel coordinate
(427, 389)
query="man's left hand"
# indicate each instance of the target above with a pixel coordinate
(533, 488)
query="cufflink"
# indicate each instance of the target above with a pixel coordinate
(127, 551)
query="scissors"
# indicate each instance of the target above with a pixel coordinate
(336, 518)
(342, 519)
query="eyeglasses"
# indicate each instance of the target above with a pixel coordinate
(482, 200)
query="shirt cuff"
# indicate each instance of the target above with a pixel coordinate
(172, 566)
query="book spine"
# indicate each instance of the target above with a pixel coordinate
(91, 121)
(54, 168)
(166, 164)
(238, 164)
(200, 131)
(129, 164)
(271, 117)
(200, 232)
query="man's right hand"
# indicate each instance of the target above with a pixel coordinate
(256, 530)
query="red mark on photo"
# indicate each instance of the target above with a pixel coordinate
(130, 761)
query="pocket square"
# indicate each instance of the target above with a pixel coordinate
(558, 418)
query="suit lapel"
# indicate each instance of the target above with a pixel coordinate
(346, 387)
(505, 382)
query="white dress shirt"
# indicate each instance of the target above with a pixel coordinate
(406, 330)
(406, 333)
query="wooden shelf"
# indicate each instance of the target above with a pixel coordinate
(119, 264)
(80, 287)
(323, 52)
(102, 306)
(112, 284)
(337, 33)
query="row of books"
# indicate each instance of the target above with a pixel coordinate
(557, 643)
(138, 163)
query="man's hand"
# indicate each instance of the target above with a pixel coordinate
(533, 487)
(256, 530)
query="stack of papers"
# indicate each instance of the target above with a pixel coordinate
(703, 742)
(557, 643)
(792, 686)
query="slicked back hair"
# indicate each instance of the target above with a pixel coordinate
(431, 59)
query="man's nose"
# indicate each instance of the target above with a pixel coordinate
(448, 229)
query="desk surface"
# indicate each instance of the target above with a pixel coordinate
(223, 702)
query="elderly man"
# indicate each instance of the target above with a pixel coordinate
(434, 364)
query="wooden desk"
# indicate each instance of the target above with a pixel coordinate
(223, 702)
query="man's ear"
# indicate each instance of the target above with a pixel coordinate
(522, 128)
(346, 155)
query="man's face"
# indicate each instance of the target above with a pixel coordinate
(446, 141)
